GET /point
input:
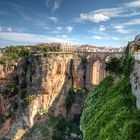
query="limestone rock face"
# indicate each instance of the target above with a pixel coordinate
(43, 84)
(6, 75)
(135, 83)
(8, 97)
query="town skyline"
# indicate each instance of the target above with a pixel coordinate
(108, 23)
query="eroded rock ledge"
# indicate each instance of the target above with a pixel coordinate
(41, 85)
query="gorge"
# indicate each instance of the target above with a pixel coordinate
(45, 94)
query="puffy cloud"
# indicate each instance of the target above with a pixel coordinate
(54, 19)
(133, 4)
(102, 14)
(93, 17)
(59, 28)
(69, 29)
(9, 29)
(97, 37)
(102, 28)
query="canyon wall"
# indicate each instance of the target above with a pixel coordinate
(40, 85)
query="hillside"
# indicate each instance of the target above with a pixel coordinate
(110, 111)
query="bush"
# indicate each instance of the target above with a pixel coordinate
(70, 98)
(114, 66)
(29, 99)
(64, 127)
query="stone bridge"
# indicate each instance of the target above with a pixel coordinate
(95, 68)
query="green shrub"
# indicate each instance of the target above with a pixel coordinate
(114, 65)
(70, 98)
(30, 98)
(14, 89)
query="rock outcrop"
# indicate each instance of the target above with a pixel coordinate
(42, 83)
(135, 83)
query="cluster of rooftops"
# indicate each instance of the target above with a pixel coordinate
(79, 48)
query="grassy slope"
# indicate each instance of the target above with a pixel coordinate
(110, 112)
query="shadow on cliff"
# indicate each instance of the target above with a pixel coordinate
(8, 98)
(59, 123)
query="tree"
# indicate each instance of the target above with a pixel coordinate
(114, 65)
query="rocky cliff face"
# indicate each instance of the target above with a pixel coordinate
(41, 85)
(135, 82)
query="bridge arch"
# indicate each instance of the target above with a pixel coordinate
(96, 71)
(95, 68)
(107, 58)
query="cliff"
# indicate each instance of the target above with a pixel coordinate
(135, 82)
(110, 110)
(41, 91)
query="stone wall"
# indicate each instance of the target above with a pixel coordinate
(135, 83)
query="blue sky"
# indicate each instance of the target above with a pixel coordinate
(97, 22)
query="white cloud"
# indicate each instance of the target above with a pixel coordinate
(54, 19)
(133, 4)
(102, 14)
(30, 38)
(62, 36)
(97, 37)
(103, 36)
(132, 22)
(115, 38)
(122, 28)
(93, 17)
(13, 29)
(59, 28)
(123, 31)
(69, 29)
(56, 5)
(102, 28)
(9, 29)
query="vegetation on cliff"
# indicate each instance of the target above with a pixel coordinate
(13, 54)
(70, 98)
(110, 112)
(55, 128)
